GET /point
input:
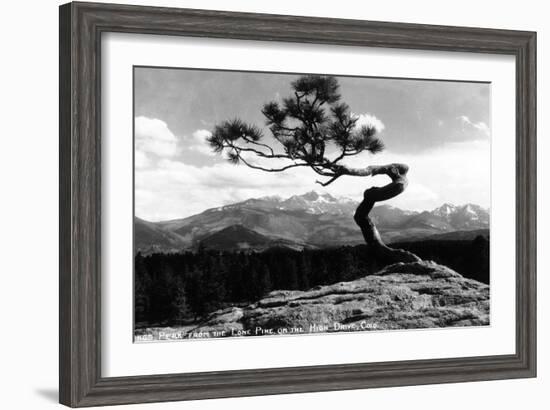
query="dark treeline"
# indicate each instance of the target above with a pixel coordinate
(184, 287)
(469, 258)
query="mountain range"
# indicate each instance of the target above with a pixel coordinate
(311, 220)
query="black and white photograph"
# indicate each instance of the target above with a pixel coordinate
(271, 204)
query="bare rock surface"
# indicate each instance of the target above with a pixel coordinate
(401, 296)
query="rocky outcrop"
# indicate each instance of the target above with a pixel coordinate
(401, 296)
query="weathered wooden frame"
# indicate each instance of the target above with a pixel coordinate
(81, 27)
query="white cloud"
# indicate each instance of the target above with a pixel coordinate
(173, 189)
(480, 126)
(141, 160)
(168, 188)
(200, 136)
(455, 172)
(155, 141)
(368, 119)
(197, 142)
(152, 136)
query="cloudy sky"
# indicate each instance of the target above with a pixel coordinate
(440, 129)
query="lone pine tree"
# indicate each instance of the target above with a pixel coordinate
(312, 128)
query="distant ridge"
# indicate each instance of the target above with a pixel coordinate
(312, 220)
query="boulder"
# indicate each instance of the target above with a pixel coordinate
(400, 296)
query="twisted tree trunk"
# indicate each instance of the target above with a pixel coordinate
(384, 254)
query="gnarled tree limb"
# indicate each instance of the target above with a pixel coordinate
(397, 173)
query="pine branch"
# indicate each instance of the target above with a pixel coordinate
(330, 181)
(272, 169)
(303, 128)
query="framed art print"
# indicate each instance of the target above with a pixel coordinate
(259, 204)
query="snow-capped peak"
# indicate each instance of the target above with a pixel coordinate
(444, 210)
(314, 196)
(468, 209)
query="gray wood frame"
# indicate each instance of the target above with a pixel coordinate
(81, 26)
